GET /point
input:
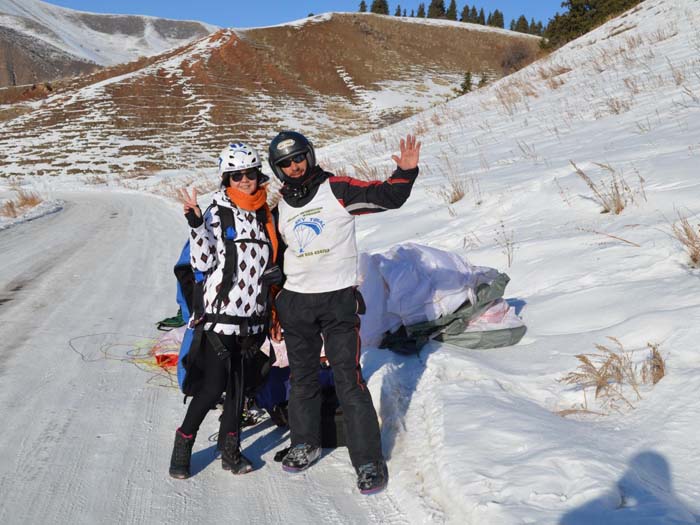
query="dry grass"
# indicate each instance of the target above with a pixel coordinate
(364, 171)
(436, 119)
(453, 192)
(421, 127)
(455, 189)
(554, 70)
(509, 97)
(618, 106)
(505, 240)
(613, 194)
(677, 73)
(663, 33)
(614, 376)
(689, 238)
(24, 201)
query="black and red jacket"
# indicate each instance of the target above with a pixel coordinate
(358, 197)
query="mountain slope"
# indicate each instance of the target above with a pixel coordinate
(40, 41)
(334, 75)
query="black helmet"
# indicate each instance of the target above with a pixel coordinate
(286, 145)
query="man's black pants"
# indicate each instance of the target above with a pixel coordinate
(305, 317)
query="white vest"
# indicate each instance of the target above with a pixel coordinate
(321, 253)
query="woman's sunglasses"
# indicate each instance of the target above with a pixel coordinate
(297, 159)
(237, 176)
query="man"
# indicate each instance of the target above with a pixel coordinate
(320, 303)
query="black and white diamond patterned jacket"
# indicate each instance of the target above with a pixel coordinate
(207, 254)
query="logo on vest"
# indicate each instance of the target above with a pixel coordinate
(306, 230)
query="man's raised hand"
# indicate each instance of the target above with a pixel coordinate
(410, 153)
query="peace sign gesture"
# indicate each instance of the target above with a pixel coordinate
(410, 152)
(189, 202)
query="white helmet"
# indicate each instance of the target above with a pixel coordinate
(238, 156)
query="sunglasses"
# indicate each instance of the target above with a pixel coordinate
(297, 159)
(237, 176)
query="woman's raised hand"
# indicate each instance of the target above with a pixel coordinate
(189, 202)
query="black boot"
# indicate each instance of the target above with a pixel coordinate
(372, 477)
(182, 453)
(231, 457)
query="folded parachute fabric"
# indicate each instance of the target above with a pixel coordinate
(416, 293)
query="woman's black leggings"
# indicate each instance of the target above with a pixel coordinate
(217, 372)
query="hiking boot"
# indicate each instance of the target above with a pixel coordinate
(182, 453)
(372, 477)
(300, 457)
(231, 457)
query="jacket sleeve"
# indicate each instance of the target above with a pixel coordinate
(362, 197)
(203, 255)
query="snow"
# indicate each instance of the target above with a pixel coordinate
(63, 28)
(471, 436)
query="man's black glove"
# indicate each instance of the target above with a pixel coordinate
(194, 220)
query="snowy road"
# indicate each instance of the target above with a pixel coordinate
(86, 437)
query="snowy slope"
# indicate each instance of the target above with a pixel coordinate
(102, 39)
(472, 437)
(631, 101)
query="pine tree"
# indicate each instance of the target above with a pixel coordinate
(498, 19)
(398, 10)
(363, 7)
(532, 28)
(421, 11)
(512, 25)
(413, 13)
(380, 7)
(451, 13)
(466, 85)
(474, 15)
(482, 81)
(464, 16)
(436, 9)
(521, 25)
(489, 19)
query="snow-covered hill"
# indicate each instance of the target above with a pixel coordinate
(475, 437)
(105, 40)
(336, 74)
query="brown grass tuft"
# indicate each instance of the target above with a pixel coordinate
(614, 376)
(24, 201)
(689, 238)
(613, 194)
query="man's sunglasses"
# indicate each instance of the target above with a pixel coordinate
(297, 159)
(237, 176)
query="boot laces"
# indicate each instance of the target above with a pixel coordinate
(368, 471)
(298, 452)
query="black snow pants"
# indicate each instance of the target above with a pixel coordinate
(305, 317)
(217, 373)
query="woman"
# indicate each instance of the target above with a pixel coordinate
(234, 246)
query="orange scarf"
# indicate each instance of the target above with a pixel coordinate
(254, 202)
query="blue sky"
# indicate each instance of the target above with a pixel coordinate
(237, 13)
